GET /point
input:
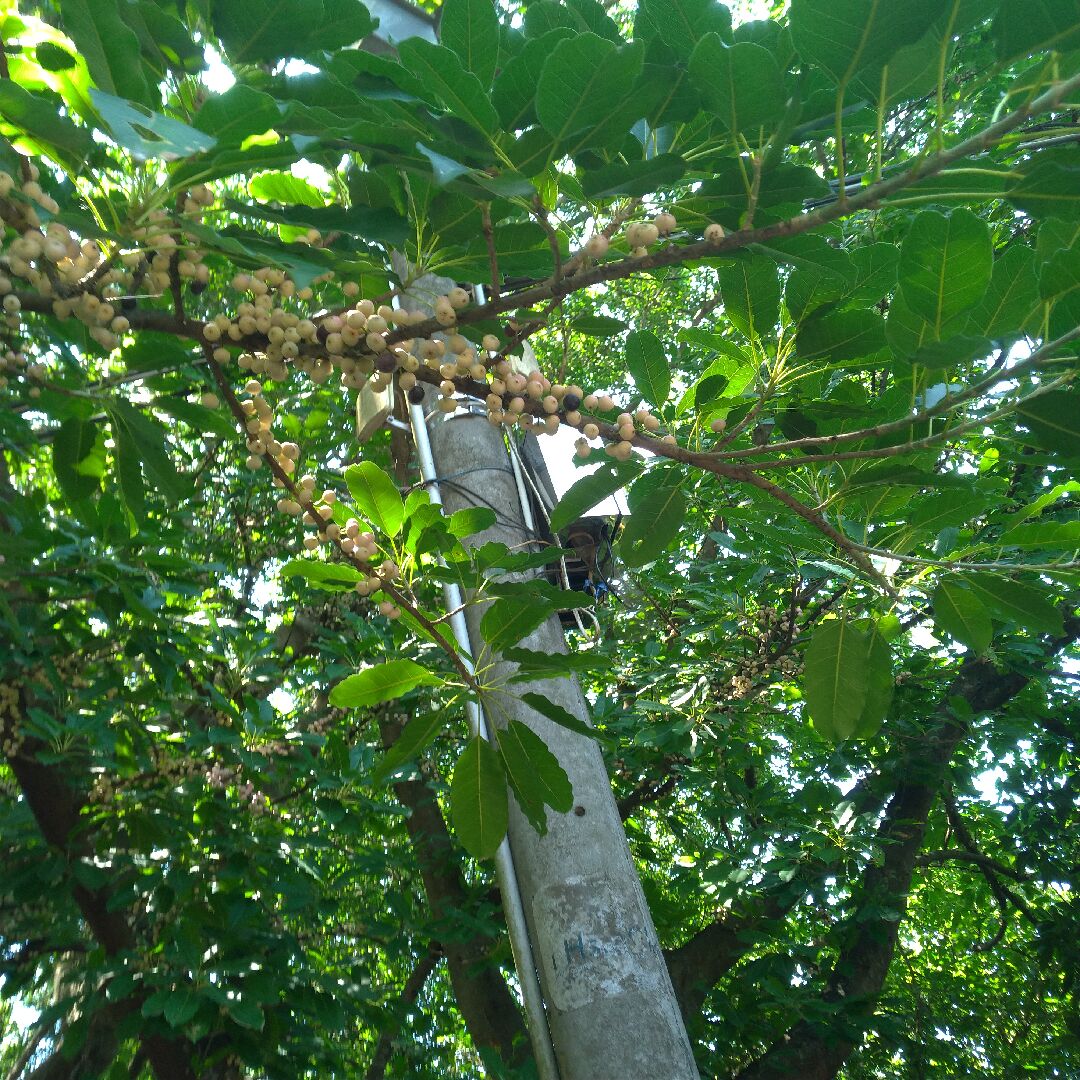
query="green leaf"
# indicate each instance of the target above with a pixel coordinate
(844, 683)
(945, 264)
(841, 336)
(597, 325)
(1053, 419)
(1044, 534)
(722, 381)
(634, 177)
(880, 684)
(847, 36)
(78, 454)
(246, 1013)
(533, 770)
(558, 715)
(415, 736)
(959, 613)
(53, 58)
(237, 114)
(542, 665)
(681, 24)
(514, 92)
(129, 473)
(262, 31)
(109, 46)
(376, 496)
(383, 682)
(938, 510)
(448, 84)
(283, 187)
(510, 618)
(908, 332)
(154, 1005)
(1060, 272)
(911, 72)
(809, 252)
(150, 438)
(148, 134)
(953, 353)
(1026, 26)
(741, 84)
(751, 292)
(343, 23)
(39, 116)
(1059, 283)
(648, 366)
(1037, 506)
(478, 802)
(181, 1006)
(472, 519)
(1048, 188)
(445, 169)
(164, 40)
(582, 83)
(589, 490)
(1010, 298)
(654, 522)
(330, 577)
(876, 268)
(1025, 605)
(470, 28)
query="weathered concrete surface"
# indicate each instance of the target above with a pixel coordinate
(611, 1008)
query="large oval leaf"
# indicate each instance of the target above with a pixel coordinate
(848, 684)
(945, 265)
(534, 771)
(478, 803)
(654, 522)
(510, 618)
(418, 732)
(332, 577)
(962, 615)
(648, 365)
(384, 682)
(740, 83)
(589, 490)
(376, 496)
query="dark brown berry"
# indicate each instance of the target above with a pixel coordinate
(571, 402)
(416, 395)
(386, 362)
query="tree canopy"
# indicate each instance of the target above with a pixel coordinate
(806, 286)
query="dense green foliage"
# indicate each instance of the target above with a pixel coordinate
(834, 685)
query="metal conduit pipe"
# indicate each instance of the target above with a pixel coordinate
(513, 908)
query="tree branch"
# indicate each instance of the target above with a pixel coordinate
(816, 1050)
(487, 1007)
(409, 993)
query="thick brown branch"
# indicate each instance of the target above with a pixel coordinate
(56, 811)
(486, 1005)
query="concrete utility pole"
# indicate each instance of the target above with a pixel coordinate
(611, 1009)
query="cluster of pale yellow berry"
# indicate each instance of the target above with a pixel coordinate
(771, 655)
(11, 362)
(11, 737)
(368, 346)
(365, 343)
(317, 512)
